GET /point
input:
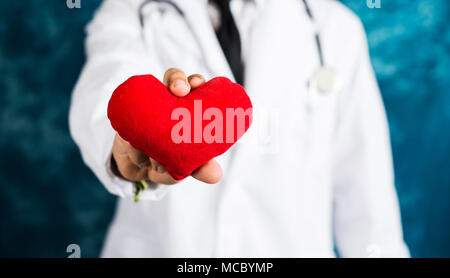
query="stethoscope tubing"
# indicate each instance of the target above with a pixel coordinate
(181, 13)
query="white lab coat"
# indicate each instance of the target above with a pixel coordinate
(313, 172)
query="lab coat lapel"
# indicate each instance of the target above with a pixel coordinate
(282, 48)
(282, 58)
(196, 15)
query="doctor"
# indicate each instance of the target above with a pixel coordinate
(313, 172)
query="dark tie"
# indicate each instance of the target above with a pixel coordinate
(228, 36)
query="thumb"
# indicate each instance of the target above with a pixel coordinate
(210, 172)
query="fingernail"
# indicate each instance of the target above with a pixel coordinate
(179, 83)
(160, 169)
(196, 80)
(144, 164)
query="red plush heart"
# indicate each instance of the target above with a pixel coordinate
(151, 119)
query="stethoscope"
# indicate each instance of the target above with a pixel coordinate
(323, 79)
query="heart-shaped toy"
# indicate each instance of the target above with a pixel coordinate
(181, 133)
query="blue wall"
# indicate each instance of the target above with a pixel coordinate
(49, 199)
(410, 50)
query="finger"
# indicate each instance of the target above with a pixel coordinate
(210, 172)
(120, 146)
(131, 171)
(137, 157)
(160, 178)
(158, 174)
(196, 80)
(175, 79)
(125, 166)
(156, 166)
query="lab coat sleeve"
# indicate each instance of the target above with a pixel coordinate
(115, 51)
(367, 219)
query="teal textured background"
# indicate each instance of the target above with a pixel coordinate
(49, 198)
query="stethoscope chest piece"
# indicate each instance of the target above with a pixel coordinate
(324, 79)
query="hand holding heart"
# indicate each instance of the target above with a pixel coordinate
(135, 165)
(154, 121)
